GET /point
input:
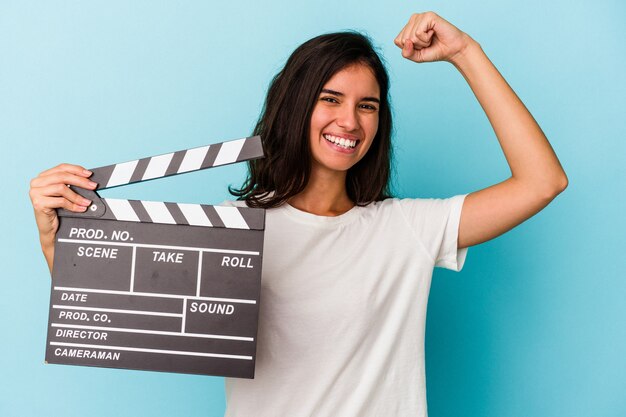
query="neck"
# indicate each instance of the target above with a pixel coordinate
(324, 195)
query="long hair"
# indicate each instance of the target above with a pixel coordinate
(284, 125)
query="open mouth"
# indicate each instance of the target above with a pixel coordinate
(341, 142)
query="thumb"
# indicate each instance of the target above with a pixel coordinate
(407, 48)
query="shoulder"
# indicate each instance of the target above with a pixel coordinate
(429, 204)
(419, 209)
(396, 203)
(380, 211)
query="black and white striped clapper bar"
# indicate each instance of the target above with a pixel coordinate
(159, 286)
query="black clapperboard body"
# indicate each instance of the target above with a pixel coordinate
(159, 286)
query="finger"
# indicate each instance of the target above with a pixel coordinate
(422, 32)
(405, 33)
(74, 169)
(423, 39)
(47, 204)
(58, 190)
(63, 177)
(409, 29)
(426, 27)
(413, 52)
(399, 40)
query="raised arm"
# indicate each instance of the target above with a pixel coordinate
(536, 174)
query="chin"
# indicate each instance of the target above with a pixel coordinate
(334, 166)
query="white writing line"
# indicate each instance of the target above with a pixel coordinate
(159, 332)
(149, 294)
(146, 245)
(199, 279)
(132, 270)
(115, 310)
(170, 352)
(182, 327)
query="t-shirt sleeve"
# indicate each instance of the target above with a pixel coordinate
(435, 222)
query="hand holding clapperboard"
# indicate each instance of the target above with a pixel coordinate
(159, 286)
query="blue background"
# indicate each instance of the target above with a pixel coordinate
(534, 325)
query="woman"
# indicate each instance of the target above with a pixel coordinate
(347, 270)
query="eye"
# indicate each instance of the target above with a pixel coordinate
(329, 99)
(368, 107)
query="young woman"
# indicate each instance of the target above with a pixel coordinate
(347, 268)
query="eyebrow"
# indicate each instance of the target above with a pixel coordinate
(337, 93)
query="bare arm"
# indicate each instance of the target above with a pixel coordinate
(536, 174)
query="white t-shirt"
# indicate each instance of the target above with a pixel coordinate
(343, 309)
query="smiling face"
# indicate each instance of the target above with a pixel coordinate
(344, 120)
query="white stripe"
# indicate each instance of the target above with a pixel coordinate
(229, 152)
(193, 159)
(121, 173)
(158, 212)
(146, 245)
(149, 294)
(122, 210)
(142, 331)
(194, 214)
(117, 310)
(231, 217)
(157, 166)
(171, 352)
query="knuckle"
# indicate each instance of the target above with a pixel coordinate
(65, 177)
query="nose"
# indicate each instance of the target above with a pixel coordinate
(348, 118)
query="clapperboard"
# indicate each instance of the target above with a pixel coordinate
(159, 286)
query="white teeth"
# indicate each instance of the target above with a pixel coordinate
(346, 143)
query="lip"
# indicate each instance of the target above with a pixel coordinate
(338, 148)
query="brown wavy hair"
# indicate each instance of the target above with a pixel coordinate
(284, 125)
